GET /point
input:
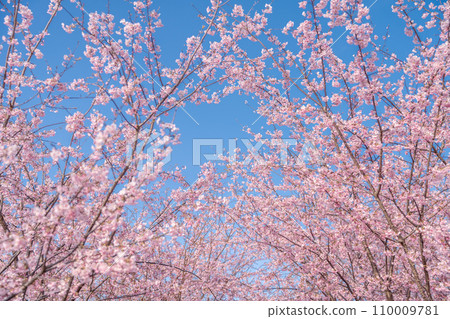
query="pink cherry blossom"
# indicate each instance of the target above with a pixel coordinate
(343, 196)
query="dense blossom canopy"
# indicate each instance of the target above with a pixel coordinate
(85, 214)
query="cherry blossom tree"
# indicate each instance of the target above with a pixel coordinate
(364, 216)
(87, 214)
(84, 209)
